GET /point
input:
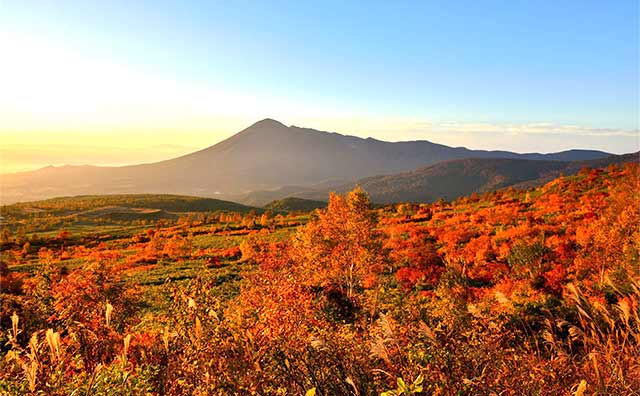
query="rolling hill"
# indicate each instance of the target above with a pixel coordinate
(123, 206)
(264, 156)
(293, 204)
(455, 178)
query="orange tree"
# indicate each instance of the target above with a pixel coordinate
(341, 246)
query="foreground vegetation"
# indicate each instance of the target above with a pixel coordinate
(509, 293)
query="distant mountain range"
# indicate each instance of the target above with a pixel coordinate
(267, 156)
(453, 179)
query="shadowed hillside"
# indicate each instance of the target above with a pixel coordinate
(452, 179)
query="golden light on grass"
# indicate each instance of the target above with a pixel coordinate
(582, 386)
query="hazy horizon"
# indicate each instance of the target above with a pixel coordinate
(124, 156)
(116, 84)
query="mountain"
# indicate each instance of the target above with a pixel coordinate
(264, 156)
(455, 178)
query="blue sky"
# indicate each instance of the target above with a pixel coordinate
(516, 75)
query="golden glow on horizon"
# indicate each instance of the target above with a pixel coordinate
(54, 99)
(59, 106)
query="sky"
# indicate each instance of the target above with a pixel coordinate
(121, 82)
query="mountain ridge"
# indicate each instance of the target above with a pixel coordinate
(454, 178)
(266, 155)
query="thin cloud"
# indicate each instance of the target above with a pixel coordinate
(534, 129)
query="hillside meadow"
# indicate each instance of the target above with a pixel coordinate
(511, 292)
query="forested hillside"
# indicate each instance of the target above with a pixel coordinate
(453, 179)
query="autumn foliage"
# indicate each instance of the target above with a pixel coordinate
(341, 247)
(510, 292)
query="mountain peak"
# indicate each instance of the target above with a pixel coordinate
(265, 156)
(268, 123)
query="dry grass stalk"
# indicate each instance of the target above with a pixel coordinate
(108, 313)
(31, 368)
(125, 351)
(14, 326)
(53, 340)
(31, 372)
(165, 339)
(426, 330)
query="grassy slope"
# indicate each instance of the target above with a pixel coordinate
(169, 203)
(294, 205)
